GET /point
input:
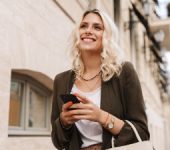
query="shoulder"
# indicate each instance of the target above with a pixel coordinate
(127, 66)
(63, 79)
(63, 75)
(128, 73)
(127, 69)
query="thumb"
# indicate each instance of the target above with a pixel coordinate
(82, 98)
(67, 105)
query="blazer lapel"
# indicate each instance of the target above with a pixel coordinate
(110, 98)
(110, 103)
(70, 81)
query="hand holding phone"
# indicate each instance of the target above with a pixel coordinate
(69, 97)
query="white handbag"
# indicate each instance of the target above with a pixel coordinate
(140, 145)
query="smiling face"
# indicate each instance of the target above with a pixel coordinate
(91, 33)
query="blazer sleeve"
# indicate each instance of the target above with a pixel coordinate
(134, 107)
(60, 137)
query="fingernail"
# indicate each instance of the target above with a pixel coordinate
(70, 103)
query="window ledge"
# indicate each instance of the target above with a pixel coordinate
(28, 133)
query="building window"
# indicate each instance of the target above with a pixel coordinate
(16, 97)
(29, 112)
(117, 12)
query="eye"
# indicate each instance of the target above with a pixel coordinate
(98, 27)
(82, 26)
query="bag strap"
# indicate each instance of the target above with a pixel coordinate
(135, 130)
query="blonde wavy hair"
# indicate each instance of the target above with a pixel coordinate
(111, 55)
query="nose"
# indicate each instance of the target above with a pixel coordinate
(88, 30)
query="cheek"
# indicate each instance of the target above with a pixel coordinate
(101, 38)
(101, 41)
(81, 32)
(100, 35)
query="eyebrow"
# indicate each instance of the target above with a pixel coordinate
(99, 24)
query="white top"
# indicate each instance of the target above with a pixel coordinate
(91, 132)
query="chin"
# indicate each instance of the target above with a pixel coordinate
(91, 50)
(87, 48)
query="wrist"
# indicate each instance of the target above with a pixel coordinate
(64, 125)
(110, 124)
(109, 121)
(103, 117)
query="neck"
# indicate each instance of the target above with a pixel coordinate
(92, 62)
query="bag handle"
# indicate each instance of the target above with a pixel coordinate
(135, 130)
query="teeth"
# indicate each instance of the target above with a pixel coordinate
(88, 40)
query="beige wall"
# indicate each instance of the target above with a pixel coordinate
(33, 35)
(156, 107)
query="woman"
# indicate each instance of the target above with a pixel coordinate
(108, 90)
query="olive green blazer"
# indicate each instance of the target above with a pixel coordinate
(120, 96)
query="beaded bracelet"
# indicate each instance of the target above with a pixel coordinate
(105, 124)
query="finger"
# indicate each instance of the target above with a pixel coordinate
(80, 112)
(72, 116)
(80, 117)
(81, 106)
(68, 120)
(67, 105)
(82, 98)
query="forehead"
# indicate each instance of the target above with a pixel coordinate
(92, 17)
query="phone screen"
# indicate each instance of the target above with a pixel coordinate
(69, 97)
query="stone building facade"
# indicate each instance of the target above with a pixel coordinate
(33, 39)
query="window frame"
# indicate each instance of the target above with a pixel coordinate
(25, 130)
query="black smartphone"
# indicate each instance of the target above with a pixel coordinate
(69, 97)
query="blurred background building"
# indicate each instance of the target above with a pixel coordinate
(33, 39)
